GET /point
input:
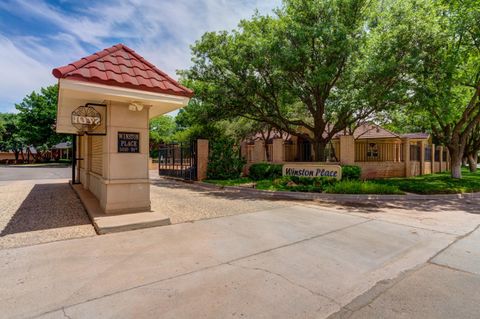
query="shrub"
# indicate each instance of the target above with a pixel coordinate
(351, 172)
(303, 184)
(358, 187)
(224, 161)
(260, 171)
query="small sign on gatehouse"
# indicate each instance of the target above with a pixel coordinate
(128, 142)
(312, 170)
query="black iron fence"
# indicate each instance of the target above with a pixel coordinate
(178, 160)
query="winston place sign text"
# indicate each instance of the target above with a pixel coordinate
(312, 170)
(128, 142)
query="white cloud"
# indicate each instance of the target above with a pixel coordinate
(161, 31)
(20, 75)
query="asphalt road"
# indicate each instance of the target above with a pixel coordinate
(18, 173)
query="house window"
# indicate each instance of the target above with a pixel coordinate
(372, 150)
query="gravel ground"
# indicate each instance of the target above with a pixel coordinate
(33, 212)
(184, 202)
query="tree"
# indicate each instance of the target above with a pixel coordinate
(317, 66)
(448, 88)
(161, 130)
(224, 160)
(11, 139)
(472, 148)
(36, 118)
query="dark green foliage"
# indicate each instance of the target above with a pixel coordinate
(37, 116)
(359, 187)
(303, 184)
(224, 160)
(351, 172)
(260, 171)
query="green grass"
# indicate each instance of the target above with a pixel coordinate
(440, 183)
(359, 187)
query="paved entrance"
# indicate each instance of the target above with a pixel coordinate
(36, 206)
(184, 202)
(286, 262)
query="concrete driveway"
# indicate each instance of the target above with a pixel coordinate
(37, 205)
(288, 262)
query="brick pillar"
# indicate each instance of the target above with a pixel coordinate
(406, 156)
(347, 150)
(259, 151)
(202, 159)
(278, 150)
(422, 157)
(433, 158)
(440, 151)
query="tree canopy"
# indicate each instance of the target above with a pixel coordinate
(315, 67)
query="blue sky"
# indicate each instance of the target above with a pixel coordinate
(38, 35)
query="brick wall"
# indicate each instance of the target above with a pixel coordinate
(372, 170)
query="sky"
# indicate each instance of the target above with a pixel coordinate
(38, 35)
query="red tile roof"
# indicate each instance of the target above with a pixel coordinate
(121, 66)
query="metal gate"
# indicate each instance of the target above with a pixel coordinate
(178, 160)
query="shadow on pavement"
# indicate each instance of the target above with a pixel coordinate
(462, 204)
(47, 206)
(209, 191)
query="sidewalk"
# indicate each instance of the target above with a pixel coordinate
(445, 287)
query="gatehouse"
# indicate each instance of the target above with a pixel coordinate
(105, 102)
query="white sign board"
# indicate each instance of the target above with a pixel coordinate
(312, 170)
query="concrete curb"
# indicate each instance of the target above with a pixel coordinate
(114, 223)
(339, 197)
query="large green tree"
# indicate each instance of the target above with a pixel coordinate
(10, 139)
(36, 118)
(447, 90)
(316, 66)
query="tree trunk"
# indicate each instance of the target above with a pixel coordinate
(456, 163)
(319, 151)
(267, 153)
(472, 162)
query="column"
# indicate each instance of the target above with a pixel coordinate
(202, 159)
(278, 151)
(406, 157)
(347, 150)
(433, 158)
(422, 157)
(259, 151)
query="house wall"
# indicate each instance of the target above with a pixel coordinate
(393, 160)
